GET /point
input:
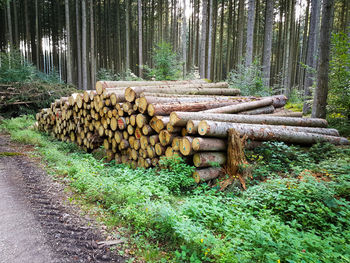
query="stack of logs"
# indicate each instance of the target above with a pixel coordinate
(138, 122)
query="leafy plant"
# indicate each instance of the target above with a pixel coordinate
(249, 80)
(292, 216)
(339, 78)
(166, 65)
(14, 69)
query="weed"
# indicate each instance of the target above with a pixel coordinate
(292, 216)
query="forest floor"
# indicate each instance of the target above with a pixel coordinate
(37, 222)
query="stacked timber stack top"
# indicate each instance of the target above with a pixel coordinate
(139, 122)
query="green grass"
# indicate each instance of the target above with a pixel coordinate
(299, 213)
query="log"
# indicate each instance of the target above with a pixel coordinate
(166, 109)
(179, 118)
(207, 159)
(165, 137)
(203, 175)
(263, 110)
(160, 149)
(286, 113)
(141, 120)
(158, 98)
(324, 131)
(208, 144)
(132, 93)
(186, 146)
(154, 139)
(114, 84)
(172, 129)
(241, 107)
(158, 123)
(268, 133)
(192, 126)
(176, 143)
(279, 101)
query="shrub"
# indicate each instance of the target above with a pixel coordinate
(249, 80)
(339, 78)
(166, 63)
(14, 68)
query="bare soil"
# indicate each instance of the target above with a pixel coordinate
(37, 224)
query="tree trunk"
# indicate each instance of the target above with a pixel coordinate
(207, 159)
(301, 135)
(250, 34)
(219, 75)
(184, 38)
(241, 107)
(83, 46)
(321, 92)
(240, 31)
(79, 64)
(69, 48)
(268, 41)
(9, 20)
(311, 53)
(180, 118)
(127, 35)
(37, 38)
(15, 18)
(92, 44)
(202, 64)
(228, 43)
(139, 5)
(210, 40)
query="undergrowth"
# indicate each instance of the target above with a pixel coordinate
(298, 211)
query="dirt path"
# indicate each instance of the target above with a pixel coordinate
(36, 225)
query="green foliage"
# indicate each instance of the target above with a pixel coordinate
(16, 124)
(306, 205)
(108, 74)
(166, 65)
(14, 69)
(249, 80)
(297, 218)
(29, 90)
(339, 78)
(176, 174)
(29, 98)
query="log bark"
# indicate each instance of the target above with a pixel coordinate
(208, 159)
(203, 175)
(115, 84)
(285, 113)
(200, 144)
(242, 106)
(166, 109)
(263, 110)
(155, 98)
(178, 118)
(132, 93)
(269, 133)
(324, 131)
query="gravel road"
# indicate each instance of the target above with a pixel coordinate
(36, 225)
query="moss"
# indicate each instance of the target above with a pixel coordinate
(4, 154)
